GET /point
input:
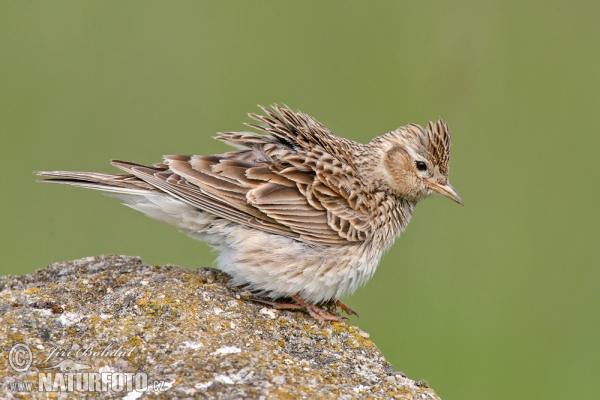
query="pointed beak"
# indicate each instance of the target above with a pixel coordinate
(446, 191)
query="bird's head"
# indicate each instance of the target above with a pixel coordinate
(416, 161)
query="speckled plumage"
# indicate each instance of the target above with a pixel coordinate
(295, 211)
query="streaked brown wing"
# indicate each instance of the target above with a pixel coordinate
(291, 196)
(285, 200)
(298, 180)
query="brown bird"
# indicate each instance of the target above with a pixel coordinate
(295, 213)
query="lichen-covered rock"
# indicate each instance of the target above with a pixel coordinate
(177, 333)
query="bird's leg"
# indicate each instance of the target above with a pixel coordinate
(277, 305)
(347, 310)
(317, 312)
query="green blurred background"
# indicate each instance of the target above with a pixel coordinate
(499, 299)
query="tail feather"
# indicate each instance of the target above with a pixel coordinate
(122, 183)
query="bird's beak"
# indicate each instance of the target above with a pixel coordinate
(446, 191)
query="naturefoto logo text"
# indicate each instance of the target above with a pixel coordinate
(69, 375)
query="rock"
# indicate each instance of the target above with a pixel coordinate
(182, 332)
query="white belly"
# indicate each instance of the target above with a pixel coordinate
(274, 265)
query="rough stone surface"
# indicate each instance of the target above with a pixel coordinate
(188, 331)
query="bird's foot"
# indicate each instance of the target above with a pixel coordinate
(344, 307)
(319, 313)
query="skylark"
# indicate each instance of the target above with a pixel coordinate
(295, 212)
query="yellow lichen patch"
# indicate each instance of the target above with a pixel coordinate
(94, 320)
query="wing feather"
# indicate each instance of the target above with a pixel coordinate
(298, 180)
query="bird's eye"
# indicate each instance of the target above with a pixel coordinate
(421, 166)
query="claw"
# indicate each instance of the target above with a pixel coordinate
(318, 313)
(347, 310)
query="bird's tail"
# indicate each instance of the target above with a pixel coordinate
(113, 183)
